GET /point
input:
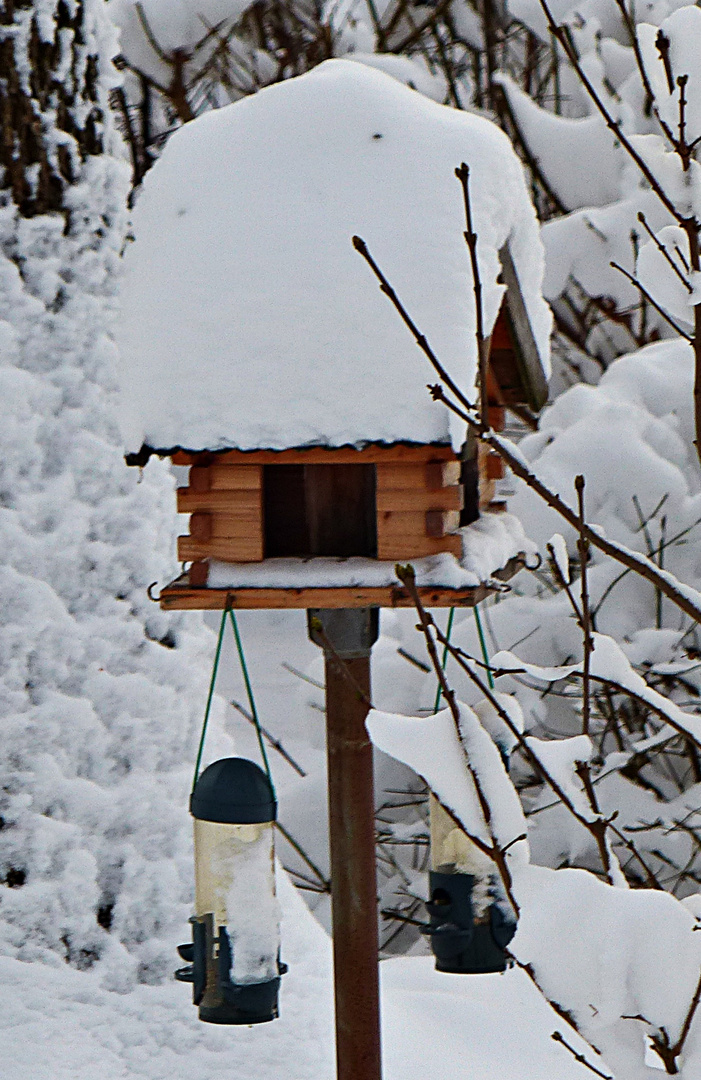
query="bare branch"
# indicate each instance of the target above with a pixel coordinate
(340, 663)
(629, 23)
(496, 852)
(321, 878)
(631, 559)
(660, 310)
(667, 1051)
(583, 550)
(663, 251)
(662, 44)
(421, 340)
(150, 36)
(503, 107)
(270, 739)
(558, 1037)
(463, 175)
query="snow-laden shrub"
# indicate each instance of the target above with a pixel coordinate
(100, 692)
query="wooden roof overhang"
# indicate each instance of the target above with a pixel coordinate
(514, 361)
(375, 452)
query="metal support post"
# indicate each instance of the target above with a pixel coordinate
(347, 637)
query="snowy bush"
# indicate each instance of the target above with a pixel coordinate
(100, 691)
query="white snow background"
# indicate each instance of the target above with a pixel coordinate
(102, 711)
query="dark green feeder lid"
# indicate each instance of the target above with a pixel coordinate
(234, 791)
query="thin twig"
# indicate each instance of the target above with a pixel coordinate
(407, 577)
(652, 881)
(630, 26)
(413, 660)
(503, 106)
(342, 666)
(658, 308)
(564, 585)
(421, 340)
(682, 146)
(323, 880)
(660, 1040)
(596, 826)
(583, 550)
(658, 599)
(663, 250)
(150, 36)
(300, 675)
(668, 543)
(559, 1038)
(662, 44)
(463, 175)
(599, 824)
(620, 689)
(419, 28)
(270, 739)
(563, 1013)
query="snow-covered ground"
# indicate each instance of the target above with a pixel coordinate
(61, 1024)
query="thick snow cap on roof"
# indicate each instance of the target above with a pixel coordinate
(249, 321)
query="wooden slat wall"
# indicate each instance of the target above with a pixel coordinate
(418, 505)
(226, 505)
(491, 469)
(490, 465)
(419, 498)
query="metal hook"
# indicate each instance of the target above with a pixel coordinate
(156, 599)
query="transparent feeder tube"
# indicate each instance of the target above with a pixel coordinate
(452, 852)
(235, 883)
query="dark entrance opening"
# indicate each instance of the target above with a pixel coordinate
(319, 510)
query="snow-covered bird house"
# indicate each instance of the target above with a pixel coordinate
(257, 350)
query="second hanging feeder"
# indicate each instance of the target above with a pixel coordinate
(468, 930)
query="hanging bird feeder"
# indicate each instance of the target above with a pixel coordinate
(468, 930)
(234, 955)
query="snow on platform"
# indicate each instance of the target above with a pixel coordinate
(61, 1024)
(248, 319)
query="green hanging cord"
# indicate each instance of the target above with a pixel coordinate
(483, 643)
(209, 698)
(444, 661)
(251, 701)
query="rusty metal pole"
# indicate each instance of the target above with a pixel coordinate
(347, 637)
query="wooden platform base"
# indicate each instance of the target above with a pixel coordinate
(180, 595)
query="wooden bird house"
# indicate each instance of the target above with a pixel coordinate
(257, 351)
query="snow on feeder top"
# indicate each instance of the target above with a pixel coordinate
(236, 931)
(257, 348)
